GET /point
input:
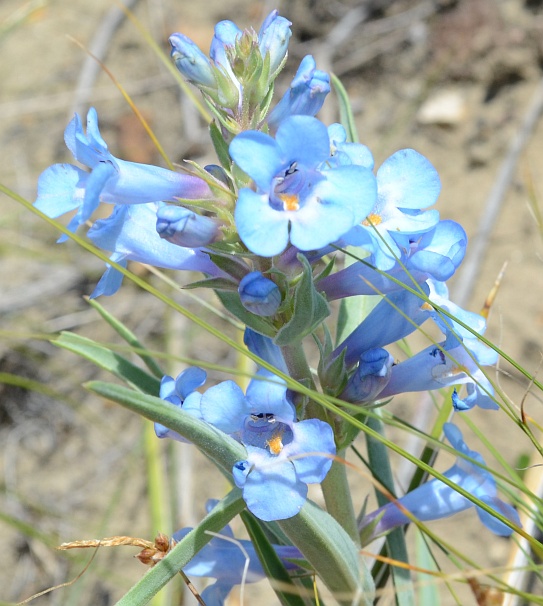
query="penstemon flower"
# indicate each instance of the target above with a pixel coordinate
(435, 499)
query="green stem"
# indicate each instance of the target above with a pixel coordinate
(337, 496)
(297, 365)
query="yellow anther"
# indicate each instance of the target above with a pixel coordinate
(372, 219)
(275, 443)
(290, 201)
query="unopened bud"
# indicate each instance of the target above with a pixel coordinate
(259, 295)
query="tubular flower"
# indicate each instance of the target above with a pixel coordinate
(232, 562)
(435, 254)
(435, 499)
(283, 455)
(305, 95)
(129, 232)
(298, 198)
(64, 187)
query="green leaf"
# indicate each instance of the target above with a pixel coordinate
(427, 588)
(108, 360)
(345, 110)
(214, 283)
(332, 554)
(395, 541)
(232, 265)
(156, 578)
(223, 450)
(129, 337)
(274, 568)
(310, 309)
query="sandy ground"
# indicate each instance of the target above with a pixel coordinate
(73, 466)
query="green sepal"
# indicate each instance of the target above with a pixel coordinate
(231, 265)
(214, 283)
(158, 576)
(310, 309)
(232, 303)
(220, 145)
(332, 372)
(108, 360)
(331, 553)
(274, 568)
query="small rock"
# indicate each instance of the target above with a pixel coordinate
(445, 108)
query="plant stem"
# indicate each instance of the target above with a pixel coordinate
(337, 496)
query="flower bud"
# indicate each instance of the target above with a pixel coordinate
(370, 378)
(191, 62)
(273, 38)
(185, 228)
(259, 295)
(306, 94)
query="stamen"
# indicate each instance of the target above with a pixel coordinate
(372, 219)
(290, 201)
(275, 443)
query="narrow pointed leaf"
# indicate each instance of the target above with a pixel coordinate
(108, 360)
(223, 450)
(332, 553)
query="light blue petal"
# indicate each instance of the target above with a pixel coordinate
(493, 523)
(259, 156)
(215, 594)
(267, 394)
(225, 407)
(272, 491)
(96, 182)
(265, 348)
(112, 278)
(310, 436)
(408, 180)
(261, 228)
(60, 189)
(335, 204)
(303, 139)
(189, 380)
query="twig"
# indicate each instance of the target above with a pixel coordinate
(476, 252)
(98, 47)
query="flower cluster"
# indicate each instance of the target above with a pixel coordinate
(266, 229)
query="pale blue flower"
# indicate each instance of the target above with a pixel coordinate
(63, 187)
(298, 197)
(435, 499)
(283, 455)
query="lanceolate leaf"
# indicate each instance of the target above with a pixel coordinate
(332, 553)
(108, 360)
(223, 450)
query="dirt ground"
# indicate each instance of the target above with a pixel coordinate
(453, 79)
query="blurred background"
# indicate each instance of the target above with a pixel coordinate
(458, 80)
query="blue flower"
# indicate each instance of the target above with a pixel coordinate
(406, 183)
(259, 295)
(184, 227)
(435, 254)
(64, 187)
(130, 234)
(283, 455)
(370, 377)
(305, 96)
(298, 198)
(232, 562)
(181, 392)
(435, 500)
